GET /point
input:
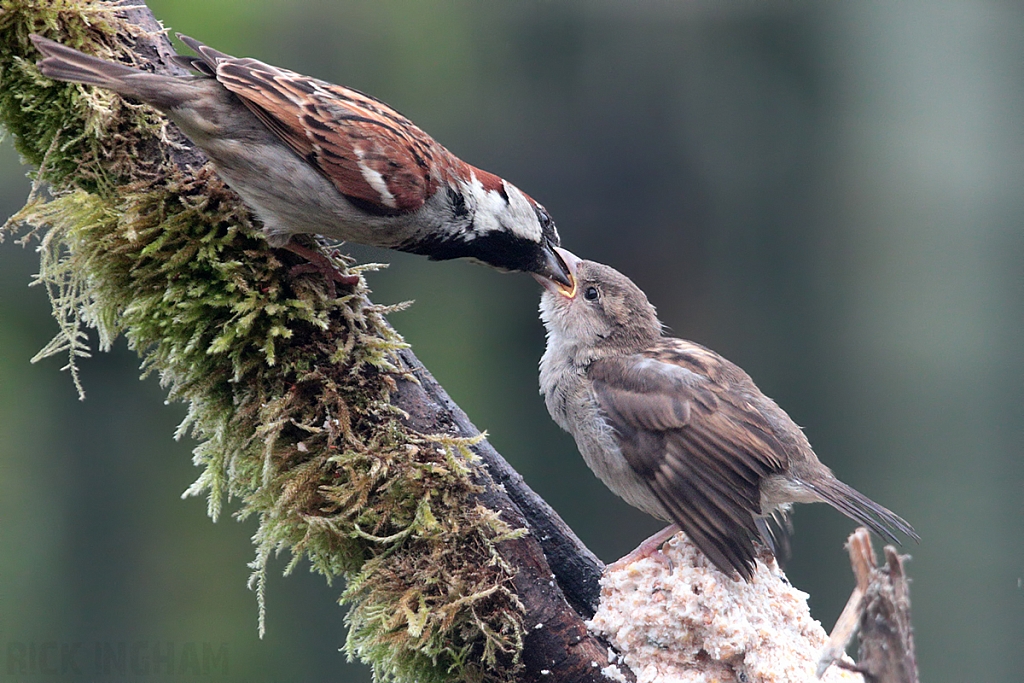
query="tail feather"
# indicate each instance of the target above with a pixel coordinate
(862, 509)
(775, 531)
(63, 63)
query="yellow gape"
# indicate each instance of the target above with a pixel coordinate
(569, 293)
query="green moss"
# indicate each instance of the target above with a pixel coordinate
(287, 388)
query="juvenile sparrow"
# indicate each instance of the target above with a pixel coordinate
(675, 429)
(312, 157)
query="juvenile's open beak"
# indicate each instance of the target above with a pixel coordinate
(561, 277)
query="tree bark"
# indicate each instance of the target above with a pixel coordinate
(879, 609)
(886, 637)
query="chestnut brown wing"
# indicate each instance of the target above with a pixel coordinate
(368, 151)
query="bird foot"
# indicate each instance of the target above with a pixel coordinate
(649, 548)
(318, 263)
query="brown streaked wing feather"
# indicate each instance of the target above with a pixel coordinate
(400, 151)
(710, 520)
(206, 60)
(734, 419)
(334, 128)
(703, 455)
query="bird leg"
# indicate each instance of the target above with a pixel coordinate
(318, 263)
(648, 548)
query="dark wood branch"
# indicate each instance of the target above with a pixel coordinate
(880, 609)
(576, 570)
(556, 572)
(556, 575)
(886, 637)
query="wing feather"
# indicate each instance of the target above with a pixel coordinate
(679, 416)
(367, 150)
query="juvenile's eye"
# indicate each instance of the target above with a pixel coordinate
(590, 293)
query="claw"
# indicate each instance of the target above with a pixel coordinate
(649, 548)
(318, 263)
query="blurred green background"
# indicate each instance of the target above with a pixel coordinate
(830, 194)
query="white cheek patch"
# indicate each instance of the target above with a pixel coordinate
(493, 212)
(375, 180)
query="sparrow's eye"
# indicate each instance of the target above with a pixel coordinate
(590, 293)
(544, 217)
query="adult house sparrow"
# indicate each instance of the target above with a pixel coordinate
(675, 429)
(312, 157)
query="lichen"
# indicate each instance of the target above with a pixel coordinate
(287, 387)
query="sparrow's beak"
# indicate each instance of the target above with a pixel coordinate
(562, 273)
(554, 267)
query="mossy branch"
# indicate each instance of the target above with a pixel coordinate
(310, 412)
